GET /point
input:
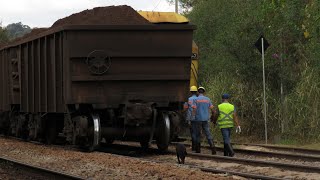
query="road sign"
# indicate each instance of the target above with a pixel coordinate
(258, 44)
(262, 45)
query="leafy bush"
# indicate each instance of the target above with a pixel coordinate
(229, 62)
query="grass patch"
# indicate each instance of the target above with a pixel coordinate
(312, 146)
(288, 142)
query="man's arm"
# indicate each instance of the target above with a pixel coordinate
(185, 107)
(194, 109)
(213, 112)
(214, 116)
(235, 117)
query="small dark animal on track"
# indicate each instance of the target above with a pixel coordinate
(181, 153)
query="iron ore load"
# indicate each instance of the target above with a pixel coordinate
(105, 73)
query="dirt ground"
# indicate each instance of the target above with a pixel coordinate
(97, 165)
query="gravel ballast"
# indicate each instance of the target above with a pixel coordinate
(97, 165)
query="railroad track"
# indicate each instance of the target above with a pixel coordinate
(312, 152)
(304, 157)
(146, 155)
(48, 173)
(135, 151)
(284, 148)
(285, 166)
(224, 171)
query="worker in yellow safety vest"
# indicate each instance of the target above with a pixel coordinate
(227, 116)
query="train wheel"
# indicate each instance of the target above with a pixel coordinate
(105, 142)
(51, 131)
(12, 116)
(23, 127)
(163, 137)
(94, 133)
(144, 143)
(109, 141)
(5, 123)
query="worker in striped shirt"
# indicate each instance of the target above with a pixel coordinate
(204, 109)
(189, 108)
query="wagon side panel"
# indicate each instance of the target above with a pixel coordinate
(41, 71)
(4, 72)
(152, 65)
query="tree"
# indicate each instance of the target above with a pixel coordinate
(186, 5)
(16, 30)
(3, 36)
(226, 32)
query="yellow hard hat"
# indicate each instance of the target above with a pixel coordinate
(201, 88)
(193, 88)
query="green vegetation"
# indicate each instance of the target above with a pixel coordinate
(12, 31)
(3, 35)
(312, 146)
(226, 33)
(16, 30)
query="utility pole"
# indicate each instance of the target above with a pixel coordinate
(176, 4)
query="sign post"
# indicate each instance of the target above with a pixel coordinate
(262, 44)
(176, 6)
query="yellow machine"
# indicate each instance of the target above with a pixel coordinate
(194, 65)
(171, 17)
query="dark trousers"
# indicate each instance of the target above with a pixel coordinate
(192, 139)
(196, 131)
(226, 134)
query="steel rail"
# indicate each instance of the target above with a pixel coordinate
(270, 146)
(285, 166)
(246, 175)
(294, 167)
(44, 171)
(312, 158)
(219, 171)
(284, 148)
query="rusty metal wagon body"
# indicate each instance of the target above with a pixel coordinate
(87, 82)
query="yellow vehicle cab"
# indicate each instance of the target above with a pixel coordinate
(171, 17)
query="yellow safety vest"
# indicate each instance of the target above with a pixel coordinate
(225, 119)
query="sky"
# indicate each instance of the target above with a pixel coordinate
(43, 13)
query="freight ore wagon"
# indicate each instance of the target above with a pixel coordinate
(93, 76)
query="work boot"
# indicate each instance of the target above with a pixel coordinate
(231, 152)
(212, 147)
(225, 150)
(193, 148)
(198, 148)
